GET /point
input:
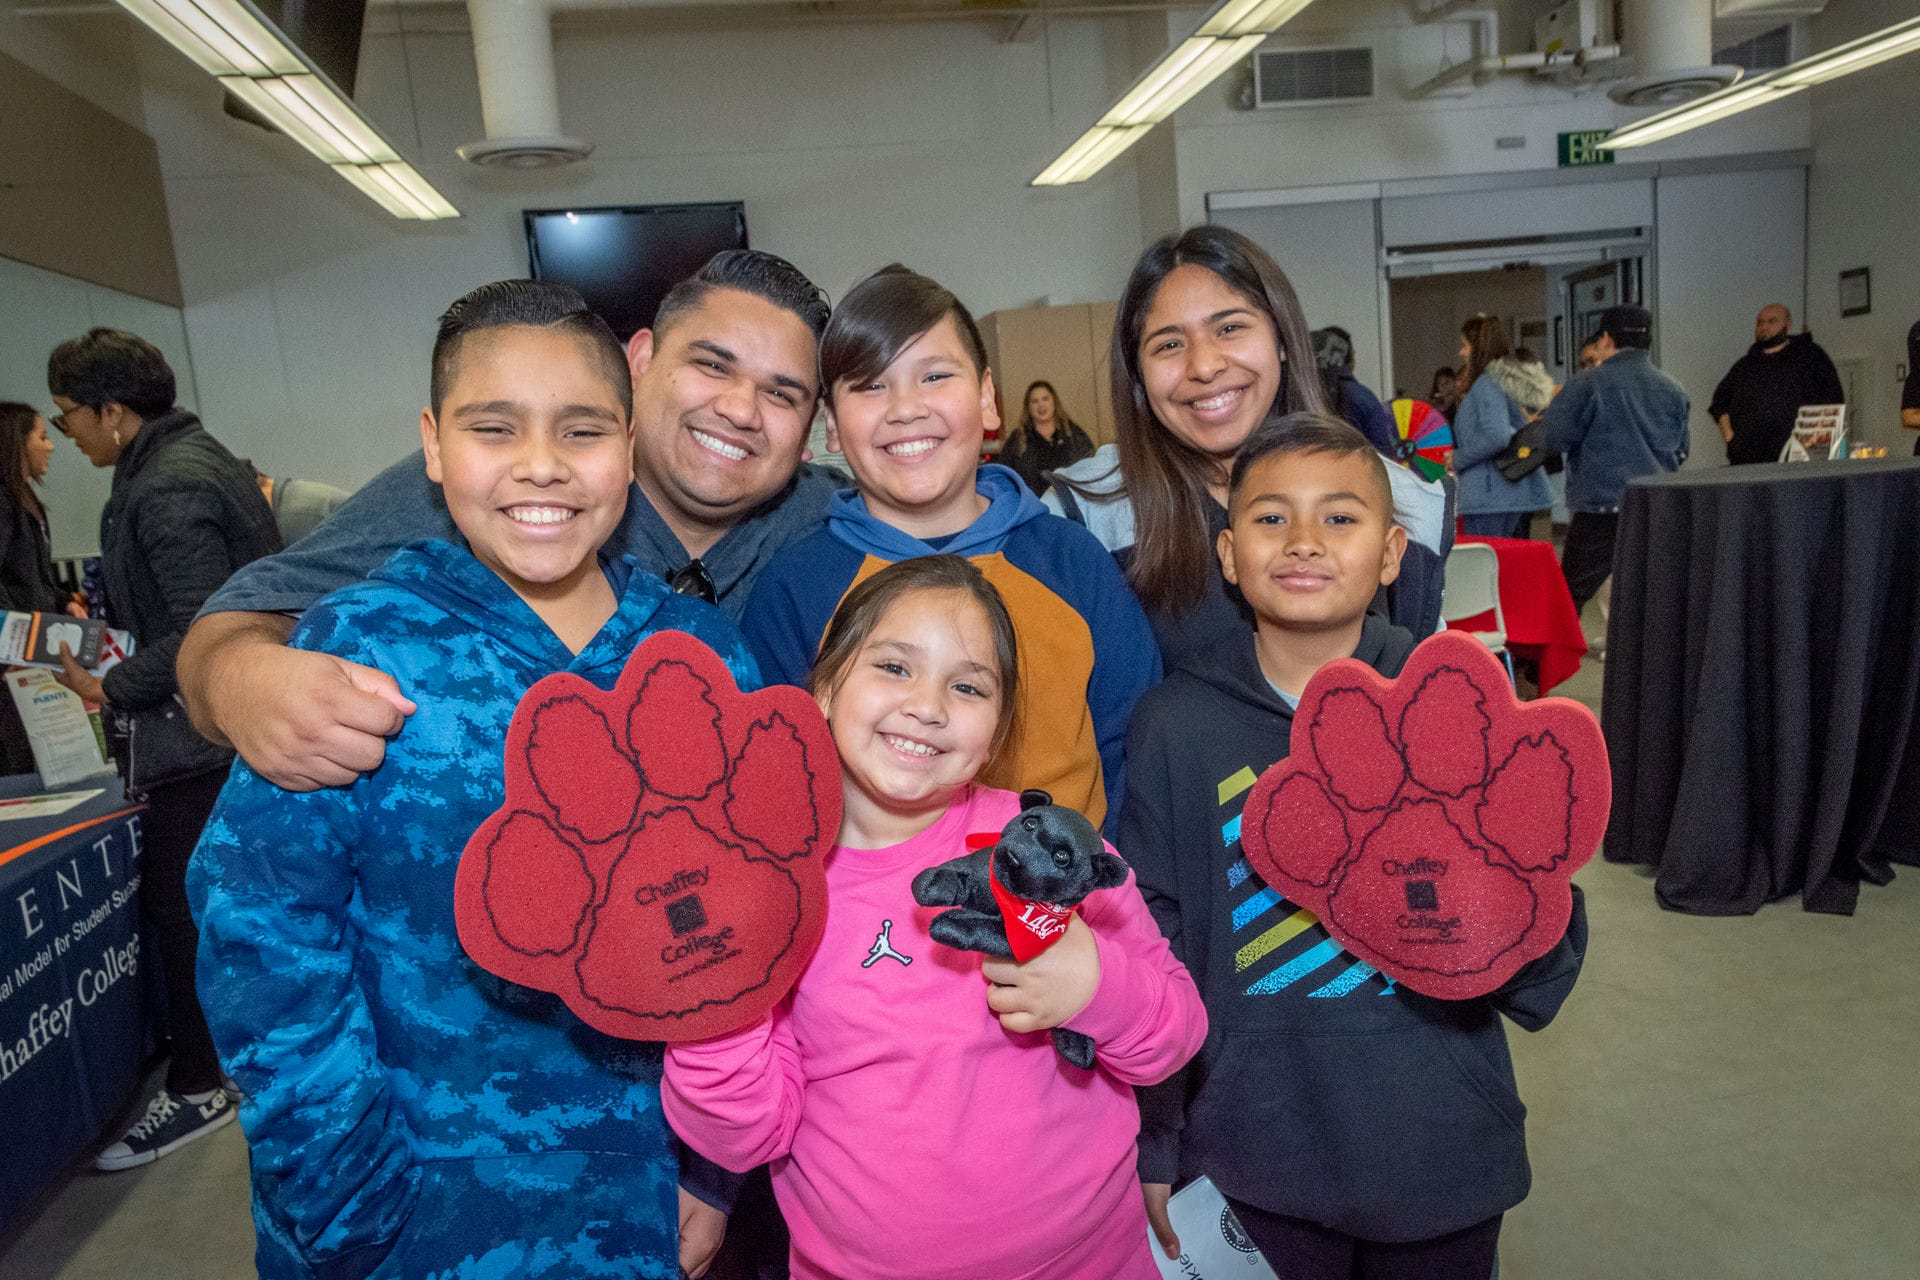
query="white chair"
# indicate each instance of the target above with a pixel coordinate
(1473, 588)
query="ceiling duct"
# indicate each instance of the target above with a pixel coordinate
(1671, 44)
(519, 89)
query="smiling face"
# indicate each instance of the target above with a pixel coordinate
(533, 452)
(1210, 361)
(36, 450)
(914, 713)
(722, 402)
(911, 434)
(1311, 538)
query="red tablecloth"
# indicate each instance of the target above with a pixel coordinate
(1541, 622)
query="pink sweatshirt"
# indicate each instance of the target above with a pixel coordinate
(910, 1134)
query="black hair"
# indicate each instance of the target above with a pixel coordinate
(535, 304)
(765, 276)
(1165, 479)
(862, 608)
(1308, 432)
(112, 366)
(880, 316)
(16, 424)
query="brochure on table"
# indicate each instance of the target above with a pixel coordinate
(1819, 431)
(65, 747)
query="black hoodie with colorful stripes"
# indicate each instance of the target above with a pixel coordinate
(1324, 1091)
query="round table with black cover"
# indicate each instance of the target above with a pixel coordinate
(1762, 693)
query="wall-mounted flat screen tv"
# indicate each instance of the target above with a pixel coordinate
(624, 259)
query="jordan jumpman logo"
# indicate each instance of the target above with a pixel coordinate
(883, 948)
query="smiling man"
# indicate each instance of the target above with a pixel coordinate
(724, 389)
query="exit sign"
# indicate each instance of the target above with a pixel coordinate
(1578, 149)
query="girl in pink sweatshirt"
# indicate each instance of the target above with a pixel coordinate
(908, 1096)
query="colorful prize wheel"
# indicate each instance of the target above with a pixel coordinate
(1426, 441)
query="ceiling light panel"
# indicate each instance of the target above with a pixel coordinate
(1229, 33)
(1855, 55)
(231, 41)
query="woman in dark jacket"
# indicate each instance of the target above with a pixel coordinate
(1046, 440)
(183, 514)
(27, 584)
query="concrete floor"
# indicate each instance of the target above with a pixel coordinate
(1733, 1098)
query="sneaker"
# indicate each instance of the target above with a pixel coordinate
(171, 1122)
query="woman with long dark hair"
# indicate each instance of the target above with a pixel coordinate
(27, 583)
(1208, 342)
(1046, 440)
(1490, 413)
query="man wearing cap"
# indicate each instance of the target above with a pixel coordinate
(1756, 403)
(1622, 420)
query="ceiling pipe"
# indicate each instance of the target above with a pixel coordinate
(519, 89)
(1671, 44)
(1487, 60)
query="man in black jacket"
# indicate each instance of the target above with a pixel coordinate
(1756, 403)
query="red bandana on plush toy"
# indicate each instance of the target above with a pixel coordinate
(658, 861)
(1433, 822)
(1032, 926)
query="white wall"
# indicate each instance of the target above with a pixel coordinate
(1729, 243)
(310, 312)
(1222, 148)
(38, 311)
(1864, 210)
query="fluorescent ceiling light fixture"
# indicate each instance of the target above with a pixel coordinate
(1248, 17)
(1855, 55)
(232, 42)
(1230, 32)
(1089, 154)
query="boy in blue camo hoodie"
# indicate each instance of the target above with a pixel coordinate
(410, 1115)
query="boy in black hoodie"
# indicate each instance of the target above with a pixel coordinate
(1360, 1130)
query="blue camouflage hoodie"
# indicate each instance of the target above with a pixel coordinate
(409, 1114)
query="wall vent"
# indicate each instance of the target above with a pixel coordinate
(1768, 51)
(1291, 77)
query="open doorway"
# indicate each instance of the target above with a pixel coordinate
(1428, 312)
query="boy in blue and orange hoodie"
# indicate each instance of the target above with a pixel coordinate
(1358, 1129)
(909, 397)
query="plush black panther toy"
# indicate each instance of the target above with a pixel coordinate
(1012, 899)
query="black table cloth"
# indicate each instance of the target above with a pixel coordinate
(75, 986)
(1762, 679)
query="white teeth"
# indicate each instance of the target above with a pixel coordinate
(909, 746)
(1220, 401)
(540, 515)
(719, 446)
(911, 448)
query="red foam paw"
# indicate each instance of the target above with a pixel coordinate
(658, 861)
(1440, 850)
